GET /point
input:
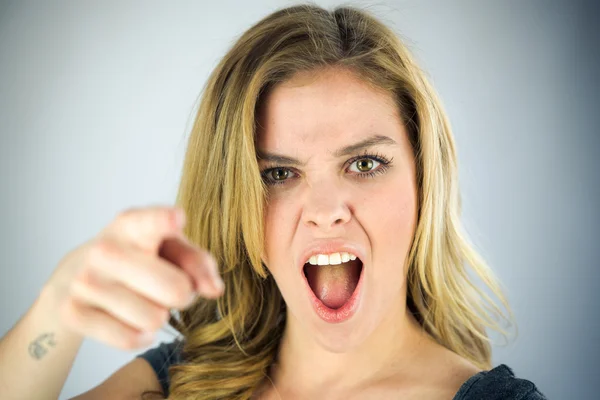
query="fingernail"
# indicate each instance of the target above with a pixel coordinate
(217, 281)
(193, 298)
(207, 288)
(214, 269)
(218, 284)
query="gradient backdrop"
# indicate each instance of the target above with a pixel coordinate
(96, 99)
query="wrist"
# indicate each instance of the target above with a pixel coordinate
(48, 303)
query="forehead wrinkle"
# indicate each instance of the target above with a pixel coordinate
(344, 151)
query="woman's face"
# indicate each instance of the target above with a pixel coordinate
(332, 198)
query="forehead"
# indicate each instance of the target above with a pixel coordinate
(322, 108)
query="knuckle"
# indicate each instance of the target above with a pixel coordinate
(167, 218)
(83, 287)
(181, 293)
(82, 280)
(158, 319)
(103, 250)
(161, 218)
(175, 298)
(126, 214)
(128, 341)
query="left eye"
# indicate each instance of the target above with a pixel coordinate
(364, 164)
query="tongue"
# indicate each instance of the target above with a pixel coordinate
(333, 284)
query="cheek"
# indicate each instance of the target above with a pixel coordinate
(275, 228)
(400, 218)
(393, 223)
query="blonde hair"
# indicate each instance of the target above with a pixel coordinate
(227, 353)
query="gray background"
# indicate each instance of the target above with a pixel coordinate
(96, 99)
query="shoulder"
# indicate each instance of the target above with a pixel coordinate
(161, 358)
(498, 383)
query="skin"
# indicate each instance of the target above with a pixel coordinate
(381, 350)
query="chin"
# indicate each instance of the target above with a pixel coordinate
(340, 340)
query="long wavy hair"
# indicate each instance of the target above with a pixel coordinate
(230, 343)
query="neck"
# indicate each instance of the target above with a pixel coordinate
(392, 349)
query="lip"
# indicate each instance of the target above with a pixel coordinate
(328, 247)
(345, 312)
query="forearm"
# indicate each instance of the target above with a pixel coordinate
(37, 354)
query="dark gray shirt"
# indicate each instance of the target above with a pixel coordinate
(498, 383)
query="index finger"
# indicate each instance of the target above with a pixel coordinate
(197, 262)
(146, 228)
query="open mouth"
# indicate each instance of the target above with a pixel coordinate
(334, 285)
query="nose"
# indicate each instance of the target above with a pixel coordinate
(325, 208)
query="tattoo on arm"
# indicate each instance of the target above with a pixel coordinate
(40, 346)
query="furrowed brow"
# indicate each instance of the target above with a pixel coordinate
(363, 144)
(278, 158)
(344, 151)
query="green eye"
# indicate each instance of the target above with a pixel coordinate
(279, 174)
(364, 165)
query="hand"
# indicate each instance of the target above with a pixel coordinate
(118, 288)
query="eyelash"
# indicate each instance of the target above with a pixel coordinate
(382, 168)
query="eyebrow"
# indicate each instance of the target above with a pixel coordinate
(344, 151)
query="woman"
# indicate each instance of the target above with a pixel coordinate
(320, 177)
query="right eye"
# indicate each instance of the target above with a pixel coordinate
(276, 175)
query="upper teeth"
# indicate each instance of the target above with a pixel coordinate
(331, 259)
